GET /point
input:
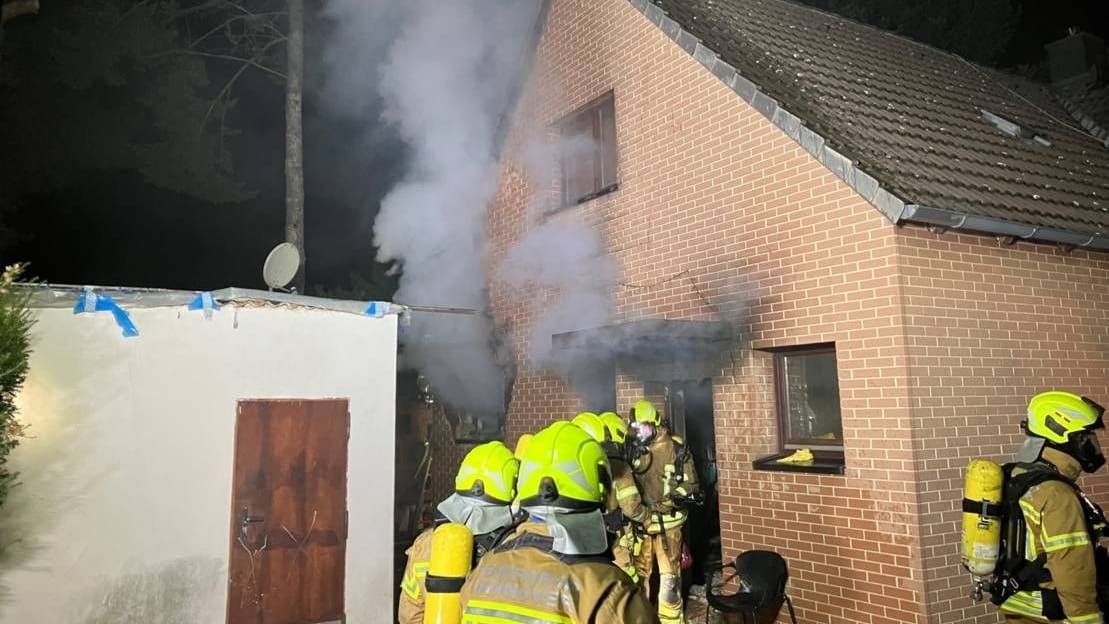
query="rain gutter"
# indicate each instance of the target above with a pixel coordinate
(972, 223)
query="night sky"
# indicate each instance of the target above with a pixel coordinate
(113, 227)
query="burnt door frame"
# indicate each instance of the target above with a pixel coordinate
(288, 518)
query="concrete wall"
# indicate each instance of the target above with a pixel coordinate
(123, 512)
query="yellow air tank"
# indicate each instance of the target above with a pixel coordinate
(982, 522)
(452, 550)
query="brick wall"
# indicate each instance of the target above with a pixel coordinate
(446, 457)
(939, 337)
(989, 326)
(713, 201)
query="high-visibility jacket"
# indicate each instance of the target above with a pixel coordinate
(656, 477)
(624, 494)
(1056, 528)
(411, 607)
(524, 581)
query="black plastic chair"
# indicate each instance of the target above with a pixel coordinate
(763, 575)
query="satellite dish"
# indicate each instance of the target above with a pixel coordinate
(281, 266)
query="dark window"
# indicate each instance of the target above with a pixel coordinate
(589, 152)
(808, 398)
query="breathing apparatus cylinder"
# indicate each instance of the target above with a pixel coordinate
(452, 551)
(981, 517)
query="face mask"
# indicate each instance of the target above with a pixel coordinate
(1088, 452)
(612, 449)
(643, 431)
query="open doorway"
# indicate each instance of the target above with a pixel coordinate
(689, 404)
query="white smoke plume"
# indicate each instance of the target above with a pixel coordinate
(445, 71)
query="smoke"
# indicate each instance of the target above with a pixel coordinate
(445, 73)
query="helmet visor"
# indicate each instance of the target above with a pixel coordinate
(1099, 423)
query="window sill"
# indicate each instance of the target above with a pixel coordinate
(612, 188)
(824, 462)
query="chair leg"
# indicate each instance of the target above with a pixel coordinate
(792, 616)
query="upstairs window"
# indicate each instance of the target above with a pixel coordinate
(589, 152)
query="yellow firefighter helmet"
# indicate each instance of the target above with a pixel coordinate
(617, 428)
(644, 412)
(1055, 415)
(563, 467)
(591, 424)
(488, 472)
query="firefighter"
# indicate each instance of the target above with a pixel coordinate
(484, 489)
(553, 568)
(1058, 579)
(667, 480)
(625, 513)
(631, 535)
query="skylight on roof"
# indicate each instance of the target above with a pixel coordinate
(1013, 129)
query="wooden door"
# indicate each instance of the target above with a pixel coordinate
(288, 512)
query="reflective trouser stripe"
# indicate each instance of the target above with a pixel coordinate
(1062, 542)
(669, 615)
(625, 493)
(1093, 618)
(669, 523)
(1028, 604)
(488, 612)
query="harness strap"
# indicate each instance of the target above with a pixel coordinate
(983, 508)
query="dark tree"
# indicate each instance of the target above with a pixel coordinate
(93, 93)
(11, 9)
(254, 35)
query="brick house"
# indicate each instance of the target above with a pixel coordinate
(861, 245)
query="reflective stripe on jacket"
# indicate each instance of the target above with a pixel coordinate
(411, 607)
(1055, 526)
(624, 494)
(528, 585)
(655, 476)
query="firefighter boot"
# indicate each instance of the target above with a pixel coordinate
(670, 607)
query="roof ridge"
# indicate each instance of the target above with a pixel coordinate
(1086, 122)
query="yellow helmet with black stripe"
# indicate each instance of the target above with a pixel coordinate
(563, 466)
(1067, 422)
(617, 428)
(488, 472)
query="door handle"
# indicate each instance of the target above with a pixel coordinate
(245, 520)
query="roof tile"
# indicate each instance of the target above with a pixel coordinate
(905, 115)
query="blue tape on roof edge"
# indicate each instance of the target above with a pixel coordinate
(205, 302)
(377, 309)
(90, 302)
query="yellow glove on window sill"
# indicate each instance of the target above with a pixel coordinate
(801, 456)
